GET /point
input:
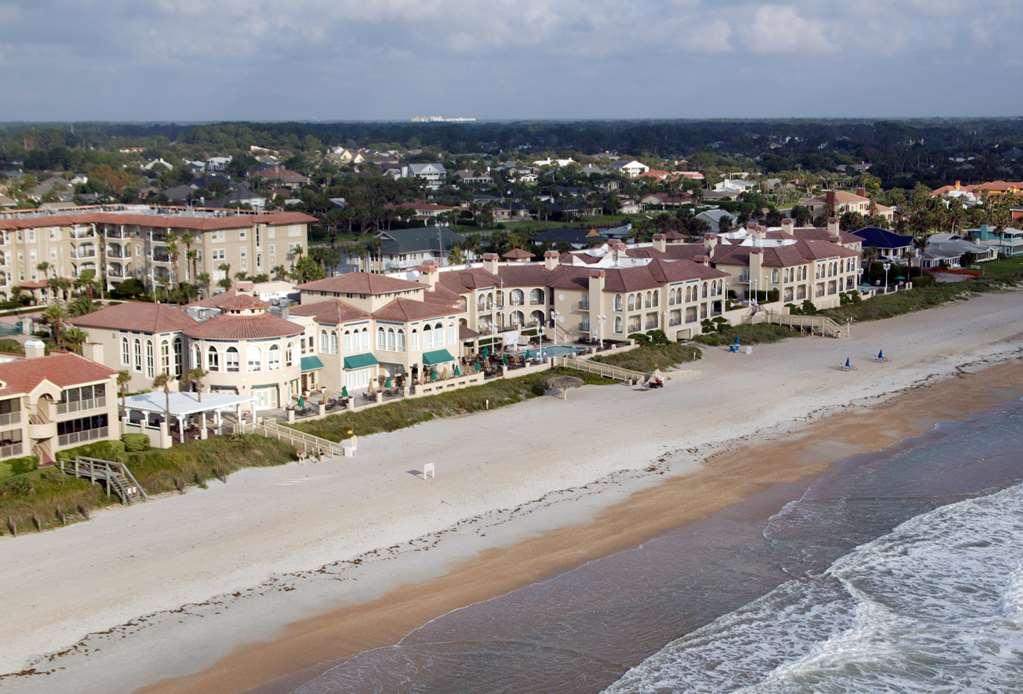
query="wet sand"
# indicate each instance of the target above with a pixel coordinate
(307, 647)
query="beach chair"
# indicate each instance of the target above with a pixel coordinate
(880, 356)
(848, 366)
(735, 347)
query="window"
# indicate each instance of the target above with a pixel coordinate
(427, 337)
(452, 334)
(324, 341)
(138, 355)
(415, 339)
(381, 339)
(438, 334)
(618, 304)
(347, 342)
(632, 302)
(289, 354)
(537, 296)
(392, 342)
(517, 319)
(231, 359)
(401, 340)
(178, 359)
(80, 430)
(150, 365)
(255, 358)
(165, 366)
(517, 297)
(213, 359)
(125, 352)
(217, 254)
(333, 342)
(275, 357)
(618, 323)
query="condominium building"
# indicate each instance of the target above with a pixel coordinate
(149, 243)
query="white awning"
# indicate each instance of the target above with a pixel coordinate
(184, 404)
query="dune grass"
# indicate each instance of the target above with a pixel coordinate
(406, 413)
(646, 358)
(757, 334)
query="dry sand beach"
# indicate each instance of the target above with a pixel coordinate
(335, 550)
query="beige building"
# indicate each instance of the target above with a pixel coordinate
(152, 244)
(48, 404)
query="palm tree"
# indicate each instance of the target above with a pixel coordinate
(195, 377)
(193, 260)
(280, 272)
(203, 278)
(163, 381)
(87, 282)
(123, 379)
(172, 251)
(54, 316)
(44, 267)
(226, 281)
(74, 338)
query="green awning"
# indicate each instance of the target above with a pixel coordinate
(360, 361)
(438, 356)
(311, 363)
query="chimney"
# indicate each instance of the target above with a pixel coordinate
(756, 231)
(34, 349)
(660, 242)
(430, 274)
(491, 262)
(788, 225)
(830, 202)
(702, 260)
(834, 232)
(595, 291)
(551, 259)
(756, 264)
(93, 351)
(710, 242)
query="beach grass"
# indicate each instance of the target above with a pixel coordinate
(646, 358)
(759, 333)
(47, 498)
(406, 413)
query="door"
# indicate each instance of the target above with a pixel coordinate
(266, 397)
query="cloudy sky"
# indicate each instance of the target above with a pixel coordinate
(369, 59)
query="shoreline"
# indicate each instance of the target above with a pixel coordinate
(728, 479)
(336, 537)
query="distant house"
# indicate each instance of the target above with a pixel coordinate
(283, 177)
(629, 206)
(470, 177)
(886, 245)
(734, 186)
(154, 164)
(576, 238)
(947, 251)
(560, 163)
(403, 249)
(839, 202)
(216, 164)
(241, 195)
(433, 174)
(713, 219)
(630, 168)
(424, 210)
(182, 193)
(7, 202)
(664, 201)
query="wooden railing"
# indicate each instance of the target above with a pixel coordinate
(303, 442)
(817, 325)
(616, 373)
(116, 477)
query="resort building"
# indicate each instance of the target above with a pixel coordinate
(150, 243)
(49, 403)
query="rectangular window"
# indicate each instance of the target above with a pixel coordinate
(231, 359)
(75, 431)
(11, 443)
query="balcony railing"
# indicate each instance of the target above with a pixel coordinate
(83, 436)
(161, 257)
(79, 405)
(12, 449)
(8, 418)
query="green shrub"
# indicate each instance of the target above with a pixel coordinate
(104, 450)
(808, 308)
(19, 466)
(923, 281)
(657, 337)
(135, 443)
(640, 338)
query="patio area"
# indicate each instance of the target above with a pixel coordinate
(190, 416)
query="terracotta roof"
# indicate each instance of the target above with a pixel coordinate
(675, 251)
(62, 369)
(813, 234)
(360, 283)
(33, 284)
(331, 312)
(517, 254)
(231, 300)
(465, 280)
(229, 327)
(467, 333)
(988, 186)
(136, 316)
(406, 310)
(798, 253)
(195, 223)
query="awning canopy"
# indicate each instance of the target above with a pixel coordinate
(438, 356)
(360, 361)
(311, 363)
(183, 404)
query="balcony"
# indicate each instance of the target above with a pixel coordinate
(116, 252)
(161, 256)
(83, 254)
(77, 437)
(79, 405)
(39, 428)
(115, 233)
(582, 306)
(10, 419)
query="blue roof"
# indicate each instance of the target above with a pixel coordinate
(876, 237)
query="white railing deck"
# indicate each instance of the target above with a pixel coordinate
(616, 373)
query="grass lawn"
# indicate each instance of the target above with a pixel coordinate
(760, 333)
(406, 413)
(47, 498)
(646, 358)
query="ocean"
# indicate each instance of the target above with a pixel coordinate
(895, 571)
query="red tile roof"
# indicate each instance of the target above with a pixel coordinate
(517, 254)
(798, 253)
(136, 316)
(330, 312)
(406, 310)
(170, 221)
(62, 369)
(360, 283)
(231, 300)
(231, 327)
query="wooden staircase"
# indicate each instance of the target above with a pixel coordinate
(616, 373)
(116, 477)
(815, 325)
(304, 443)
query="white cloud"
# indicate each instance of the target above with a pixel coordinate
(781, 29)
(713, 37)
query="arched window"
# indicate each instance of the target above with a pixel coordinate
(657, 298)
(231, 359)
(490, 301)
(165, 366)
(704, 290)
(618, 324)
(536, 317)
(415, 339)
(392, 343)
(632, 302)
(150, 361)
(401, 340)
(324, 342)
(438, 334)
(452, 334)
(196, 357)
(427, 337)
(125, 352)
(213, 359)
(138, 355)
(618, 302)
(255, 358)
(537, 296)
(274, 362)
(333, 342)
(481, 302)
(517, 318)
(347, 341)
(381, 339)
(517, 297)
(289, 354)
(364, 340)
